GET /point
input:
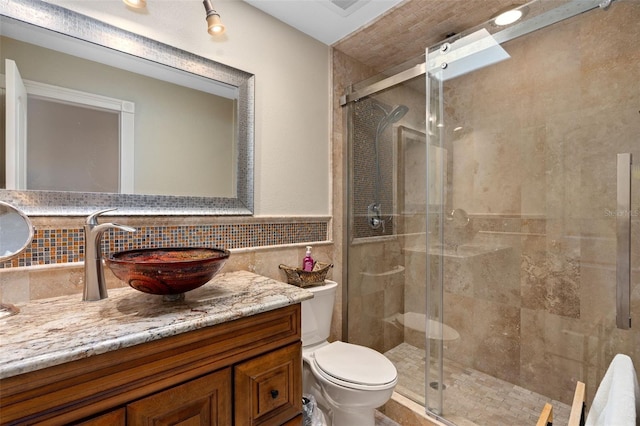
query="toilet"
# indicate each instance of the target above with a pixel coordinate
(348, 381)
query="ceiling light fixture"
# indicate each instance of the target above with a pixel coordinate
(510, 16)
(214, 23)
(136, 4)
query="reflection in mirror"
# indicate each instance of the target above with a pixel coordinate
(16, 231)
(177, 128)
(76, 141)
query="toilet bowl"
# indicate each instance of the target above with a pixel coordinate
(348, 381)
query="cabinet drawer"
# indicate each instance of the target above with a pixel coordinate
(268, 388)
(203, 401)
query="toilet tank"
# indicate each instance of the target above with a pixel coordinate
(317, 313)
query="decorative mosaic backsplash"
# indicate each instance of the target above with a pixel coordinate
(367, 119)
(51, 246)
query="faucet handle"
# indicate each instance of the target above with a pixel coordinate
(92, 219)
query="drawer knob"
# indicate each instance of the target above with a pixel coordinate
(274, 394)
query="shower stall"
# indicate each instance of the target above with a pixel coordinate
(493, 212)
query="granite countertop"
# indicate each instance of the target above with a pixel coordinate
(54, 331)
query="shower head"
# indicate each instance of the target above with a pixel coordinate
(397, 113)
(391, 116)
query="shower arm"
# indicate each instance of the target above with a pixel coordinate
(374, 210)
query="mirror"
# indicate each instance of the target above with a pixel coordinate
(36, 22)
(16, 231)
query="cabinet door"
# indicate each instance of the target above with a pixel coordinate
(204, 401)
(268, 388)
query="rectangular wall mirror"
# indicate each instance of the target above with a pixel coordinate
(176, 130)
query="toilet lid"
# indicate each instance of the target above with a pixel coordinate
(355, 364)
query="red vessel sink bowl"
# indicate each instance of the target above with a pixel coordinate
(167, 271)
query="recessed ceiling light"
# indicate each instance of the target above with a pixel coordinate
(510, 16)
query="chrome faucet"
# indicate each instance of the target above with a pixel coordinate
(95, 286)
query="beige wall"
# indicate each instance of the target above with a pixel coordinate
(292, 147)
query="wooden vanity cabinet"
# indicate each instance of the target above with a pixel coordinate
(243, 372)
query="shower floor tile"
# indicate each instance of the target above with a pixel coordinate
(471, 397)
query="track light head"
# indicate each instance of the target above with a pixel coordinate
(136, 4)
(214, 23)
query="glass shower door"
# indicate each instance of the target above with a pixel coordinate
(522, 247)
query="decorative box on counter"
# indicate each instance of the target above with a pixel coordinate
(302, 278)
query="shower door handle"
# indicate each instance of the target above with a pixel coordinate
(623, 242)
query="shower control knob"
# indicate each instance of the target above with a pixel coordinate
(374, 216)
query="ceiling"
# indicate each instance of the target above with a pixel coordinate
(384, 33)
(325, 20)
(379, 33)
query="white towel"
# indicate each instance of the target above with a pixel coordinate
(617, 399)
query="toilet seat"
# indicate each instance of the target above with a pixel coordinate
(355, 366)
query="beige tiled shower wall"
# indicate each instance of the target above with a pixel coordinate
(375, 271)
(535, 167)
(345, 72)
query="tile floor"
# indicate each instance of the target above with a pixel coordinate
(382, 420)
(472, 398)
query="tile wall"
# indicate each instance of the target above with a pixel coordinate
(535, 169)
(53, 264)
